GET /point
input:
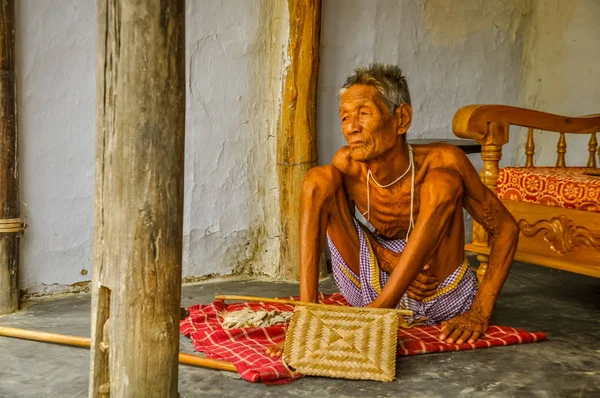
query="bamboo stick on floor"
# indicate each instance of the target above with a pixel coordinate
(84, 342)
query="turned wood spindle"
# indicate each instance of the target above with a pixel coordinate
(561, 149)
(529, 148)
(592, 147)
(491, 153)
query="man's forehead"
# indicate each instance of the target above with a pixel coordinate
(358, 94)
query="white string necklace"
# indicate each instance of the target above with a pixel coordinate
(411, 166)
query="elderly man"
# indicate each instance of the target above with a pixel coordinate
(392, 216)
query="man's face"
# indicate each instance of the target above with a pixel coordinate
(367, 124)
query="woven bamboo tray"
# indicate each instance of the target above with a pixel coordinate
(348, 342)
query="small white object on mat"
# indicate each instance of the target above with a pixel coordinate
(247, 318)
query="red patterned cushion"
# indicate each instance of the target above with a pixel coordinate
(564, 187)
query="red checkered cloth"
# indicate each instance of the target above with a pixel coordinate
(245, 348)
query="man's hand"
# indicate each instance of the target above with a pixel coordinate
(423, 286)
(468, 326)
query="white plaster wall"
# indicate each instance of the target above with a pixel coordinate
(56, 63)
(453, 54)
(234, 57)
(561, 72)
(235, 52)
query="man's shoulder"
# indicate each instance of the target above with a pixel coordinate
(441, 155)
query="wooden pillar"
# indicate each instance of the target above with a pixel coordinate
(10, 223)
(138, 214)
(297, 135)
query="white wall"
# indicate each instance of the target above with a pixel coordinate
(234, 57)
(234, 52)
(561, 69)
(56, 66)
(454, 53)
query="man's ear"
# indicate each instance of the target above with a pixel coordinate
(403, 115)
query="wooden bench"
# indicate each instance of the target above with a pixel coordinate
(557, 208)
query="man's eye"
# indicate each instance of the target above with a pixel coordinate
(344, 118)
(365, 113)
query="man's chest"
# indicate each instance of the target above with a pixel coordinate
(387, 209)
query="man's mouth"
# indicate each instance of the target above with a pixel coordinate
(357, 142)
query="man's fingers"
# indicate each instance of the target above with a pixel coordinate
(463, 337)
(275, 350)
(474, 337)
(446, 329)
(428, 280)
(424, 287)
(420, 292)
(422, 277)
(415, 295)
(455, 334)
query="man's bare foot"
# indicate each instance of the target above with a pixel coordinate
(276, 350)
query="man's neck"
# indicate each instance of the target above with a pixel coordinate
(390, 165)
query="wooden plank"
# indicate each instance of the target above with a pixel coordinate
(297, 139)
(9, 161)
(138, 214)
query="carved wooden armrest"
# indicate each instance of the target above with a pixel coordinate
(489, 125)
(472, 121)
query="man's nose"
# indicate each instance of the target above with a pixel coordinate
(352, 127)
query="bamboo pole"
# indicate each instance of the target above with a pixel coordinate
(138, 205)
(84, 342)
(297, 136)
(9, 159)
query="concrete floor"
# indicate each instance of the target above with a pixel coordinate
(565, 305)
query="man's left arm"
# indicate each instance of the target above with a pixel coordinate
(488, 211)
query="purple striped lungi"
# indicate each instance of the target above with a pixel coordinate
(454, 296)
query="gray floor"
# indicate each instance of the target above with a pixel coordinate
(566, 306)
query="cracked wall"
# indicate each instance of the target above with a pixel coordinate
(234, 65)
(234, 62)
(538, 54)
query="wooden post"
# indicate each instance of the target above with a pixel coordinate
(10, 223)
(138, 209)
(297, 136)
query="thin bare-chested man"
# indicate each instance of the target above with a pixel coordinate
(392, 215)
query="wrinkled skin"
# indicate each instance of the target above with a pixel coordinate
(445, 182)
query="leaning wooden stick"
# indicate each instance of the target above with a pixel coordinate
(295, 302)
(84, 342)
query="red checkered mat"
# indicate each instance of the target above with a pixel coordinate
(245, 348)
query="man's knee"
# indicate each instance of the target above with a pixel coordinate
(321, 183)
